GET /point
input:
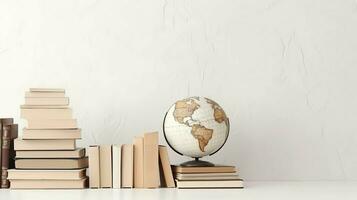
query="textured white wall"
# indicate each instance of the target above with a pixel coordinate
(284, 71)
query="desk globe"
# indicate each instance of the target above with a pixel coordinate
(196, 127)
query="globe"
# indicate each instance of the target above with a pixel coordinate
(196, 127)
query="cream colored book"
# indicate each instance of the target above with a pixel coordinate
(43, 134)
(20, 144)
(52, 124)
(47, 101)
(138, 162)
(59, 113)
(116, 152)
(58, 90)
(71, 174)
(77, 153)
(151, 160)
(166, 168)
(105, 157)
(48, 184)
(44, 94)
(42, 107)
(127, 162)
(214, 169)
(210, 184)
(94, 166)
(54, 163)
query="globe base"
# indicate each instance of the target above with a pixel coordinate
(197, 163)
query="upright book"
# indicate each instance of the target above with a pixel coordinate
(7, 158)
(151, 160)
(168, 179)
(127, 160)
(105, 157)
(116, 158)
(94, 166)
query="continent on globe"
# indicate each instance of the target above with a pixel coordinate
(218, 113)
(202, 134)
(183, 109)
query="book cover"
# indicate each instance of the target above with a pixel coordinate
(105, 158)
(48, 90)
(116, 166)
(44, 144)
(54, 163)
(47, 101)
(3, 122)
(52, 134)
(43, 113)
(127, 162)
(7, 158)
(151, 160)
(168, 179)
(198, 184)
(77, 153)
(68, 174)
(138, 162)
(52, 124)
(94, 166)
(48, 184)
(44, 94)
(215, 169)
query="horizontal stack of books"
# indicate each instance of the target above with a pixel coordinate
(46, 156)
(144, 164)
(207, 177)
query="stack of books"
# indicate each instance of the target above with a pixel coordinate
(207, 177)
(46, 156)
(143, 164)
(8, 132)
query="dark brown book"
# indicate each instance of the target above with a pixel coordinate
(7, 154)
(3, 122)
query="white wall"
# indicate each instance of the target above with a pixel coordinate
(284, 71)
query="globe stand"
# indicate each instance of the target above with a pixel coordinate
(197, 163)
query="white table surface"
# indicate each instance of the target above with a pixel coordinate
(254, 190)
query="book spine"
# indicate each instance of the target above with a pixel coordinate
(3, 122)
(5, 150)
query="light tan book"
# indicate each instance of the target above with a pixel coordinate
(168, 179)
(44, 94)
(94, 166)
(193, 178)
(42, 107)
(71, 174)
(138, 162)
(238, 183)
(127, 162)
(47, 101)
(59, 113)
(43, 134)
(77, 153)
(52, 124)
(20, 144)
(58, 90)
(116, 155)
(48, 184)
(105, 165)
(54, 163)
(215, 169)
(151, 160)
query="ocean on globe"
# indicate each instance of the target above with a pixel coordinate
(196, 127)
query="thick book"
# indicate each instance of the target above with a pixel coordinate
(127, 162)
(52, 124)
(45, 174)
(42, 113)
(215, 169)
(8, 154)
(94, 169)
(50, 90)
(44, 94)
(151, 160)
(77, 153)
(167, 176)
(44, 144)
(199, 184)
(47, 101)
(4, 122)
(54, 134)
(48, 184)
(116, 157)
(138, 162)
(105, 166)
(54, 163)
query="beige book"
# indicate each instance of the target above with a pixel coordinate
(44, 94)
(47, 101)
(48, 184)
(210, 184)
(20, 144)
(138, 162)
(51, 124)
(105, 158)
(71, 174)
(59, 113)
(42, 107)
(209, 178)
(58, 90)
(151, 160)
(127, 162)
(166, 168)
(94, 166)
(77, 153)
(215, 169)
(43, 134)
(116, 152)
(54, 163)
